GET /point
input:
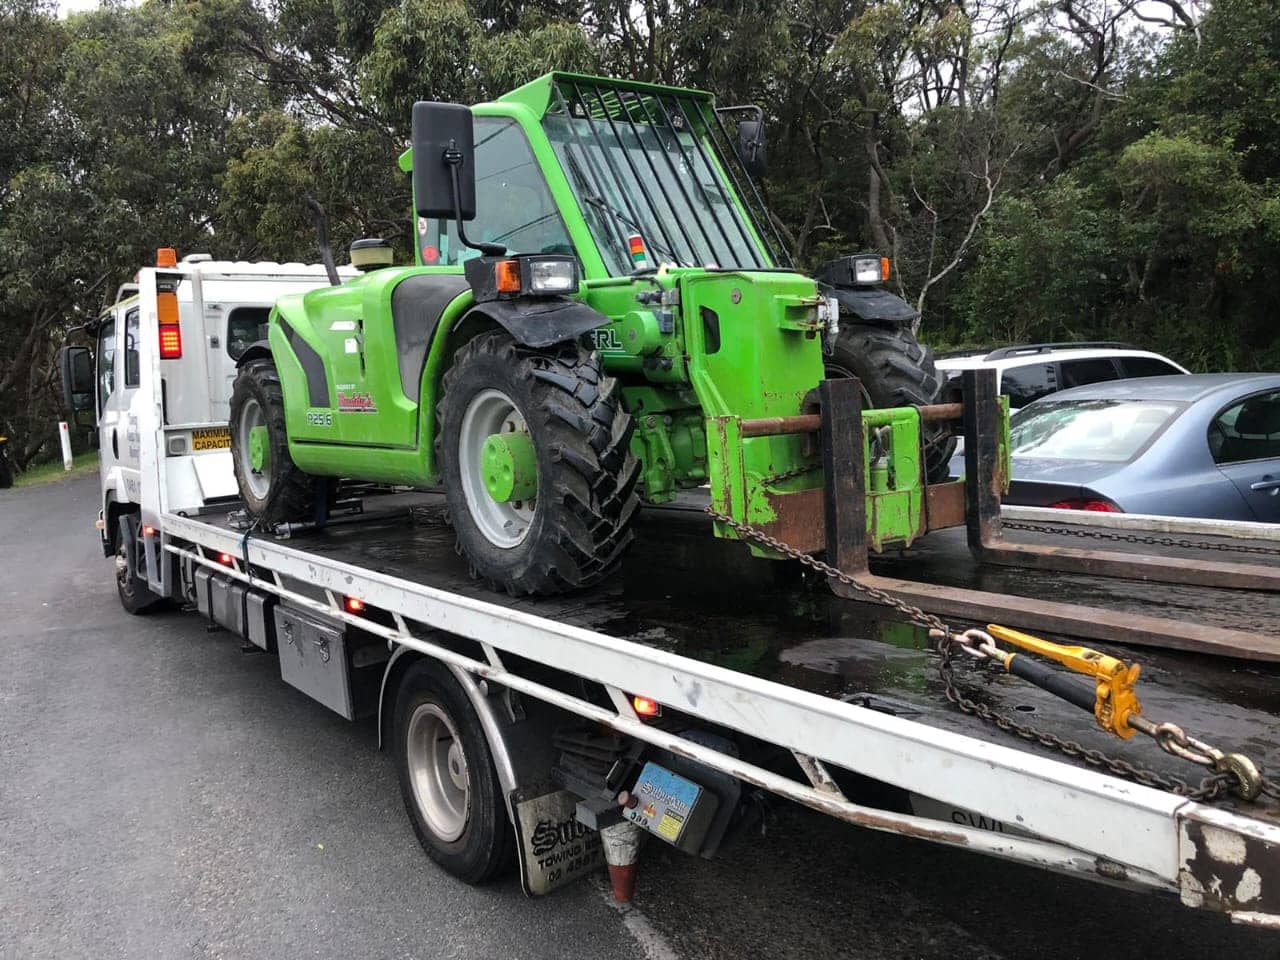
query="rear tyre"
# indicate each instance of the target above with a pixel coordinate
(896, 371)
(447, 779)
(272, 488)
(573, 529)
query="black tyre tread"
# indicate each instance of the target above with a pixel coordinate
(592, 490)
(487, 849)
(898, 371)
(291, 494)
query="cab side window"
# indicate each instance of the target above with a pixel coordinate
(106, 354)
(513, 205)
(132, 358)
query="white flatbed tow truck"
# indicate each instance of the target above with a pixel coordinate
(561, 730)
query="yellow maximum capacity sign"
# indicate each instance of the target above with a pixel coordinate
(213, 438)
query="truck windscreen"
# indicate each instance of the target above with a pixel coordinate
(647, 164)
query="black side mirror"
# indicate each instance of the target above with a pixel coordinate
(752, 146)
(443, 147)
(76, 366)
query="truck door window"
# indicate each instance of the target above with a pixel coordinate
(513, 205)
(1022, 385)
(106, 361)
(245, 327)
(132, 358)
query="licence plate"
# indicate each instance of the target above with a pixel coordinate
(214, 438)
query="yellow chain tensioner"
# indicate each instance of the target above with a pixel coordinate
(1115, 682)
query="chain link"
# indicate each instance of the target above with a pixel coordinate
(1182, 544)
(790, 474)
(1212, 787)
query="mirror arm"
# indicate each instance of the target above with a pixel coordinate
(453, 160)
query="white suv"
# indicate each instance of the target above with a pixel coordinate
(1029, 372)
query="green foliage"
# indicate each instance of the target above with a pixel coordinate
(1034, 170)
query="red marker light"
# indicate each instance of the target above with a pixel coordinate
(148, 531)
(646, 707)
(354, 605)
(430, 253)
(226, 559)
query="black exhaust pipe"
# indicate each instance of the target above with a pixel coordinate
(322, 228)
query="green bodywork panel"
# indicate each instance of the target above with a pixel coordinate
(696, 349)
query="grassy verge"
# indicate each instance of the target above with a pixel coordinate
(53, 470)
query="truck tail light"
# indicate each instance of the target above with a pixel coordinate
(170, 331)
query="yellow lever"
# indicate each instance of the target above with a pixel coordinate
(1116, 697)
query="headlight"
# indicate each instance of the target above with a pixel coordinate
(866, 270)
(553, 275)
(522, 276)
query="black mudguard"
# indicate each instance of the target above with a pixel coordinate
(540, 322)
(876, 306)
(258, 350)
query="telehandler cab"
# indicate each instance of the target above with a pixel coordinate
(600, 311)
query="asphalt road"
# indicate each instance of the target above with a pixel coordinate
(164, 795)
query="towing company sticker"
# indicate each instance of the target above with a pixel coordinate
(554, 847)
(356, 402)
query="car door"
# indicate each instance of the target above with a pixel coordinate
(1245, 442)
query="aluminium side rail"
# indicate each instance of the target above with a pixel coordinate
(1091, 824)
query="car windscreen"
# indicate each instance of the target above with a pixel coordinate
(1111, 431)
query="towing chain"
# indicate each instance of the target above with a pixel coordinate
(1182, 544)
(1170, 738)
(791, 474)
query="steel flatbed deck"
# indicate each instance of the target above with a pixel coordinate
(757, 648)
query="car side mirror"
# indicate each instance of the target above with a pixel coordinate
(753, 146)
(76, 366)
(443, 147)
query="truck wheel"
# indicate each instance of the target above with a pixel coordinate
(131, 582)
(534, 449)
(272, 488)
(896, 371)
(447, 778)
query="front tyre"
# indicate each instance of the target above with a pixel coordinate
(135, 594)
(895, 371)
(534, 449)
(272, 488)
(447, 779)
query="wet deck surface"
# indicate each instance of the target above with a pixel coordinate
(683, 591)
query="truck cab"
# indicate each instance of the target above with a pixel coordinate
(168, 345)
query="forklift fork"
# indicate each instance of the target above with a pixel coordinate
(845, 520)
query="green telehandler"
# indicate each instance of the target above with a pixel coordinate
(601, 314)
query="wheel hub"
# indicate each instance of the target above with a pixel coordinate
(509, 466)
(258, 449)
(438, 771)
